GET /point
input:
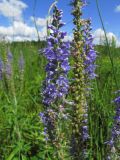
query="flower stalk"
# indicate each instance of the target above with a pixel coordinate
(56, 84)
(84, 56)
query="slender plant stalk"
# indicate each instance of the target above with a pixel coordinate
(109, 50)
(36, 27)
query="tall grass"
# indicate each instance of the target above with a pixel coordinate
(20, 103)
(101, 111)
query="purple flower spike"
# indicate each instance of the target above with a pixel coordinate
(90, 53)
(57, 54)
(56, 84)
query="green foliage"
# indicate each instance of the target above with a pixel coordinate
(21, 130)
(101, 107)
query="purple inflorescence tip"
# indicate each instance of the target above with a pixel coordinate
(90, 53)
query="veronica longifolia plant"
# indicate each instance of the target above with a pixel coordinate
(56, 84)
(84, 57)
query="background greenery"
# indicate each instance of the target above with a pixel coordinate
(21, 129)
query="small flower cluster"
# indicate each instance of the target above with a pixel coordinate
(116, 128)
(49, 120)
(85, 133)
(115, 135)
(57, 53)
(6, 65)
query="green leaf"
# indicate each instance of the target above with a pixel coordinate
(14, 152)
